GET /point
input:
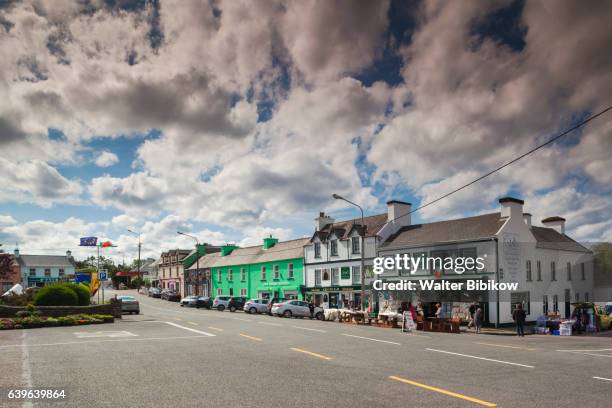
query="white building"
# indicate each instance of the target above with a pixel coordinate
(332, 257)
(551, 269)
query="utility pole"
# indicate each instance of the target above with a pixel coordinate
(197, 258)
(362, 250)
(139, 246)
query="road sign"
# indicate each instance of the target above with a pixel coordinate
(102, 275)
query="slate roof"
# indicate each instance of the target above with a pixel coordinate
(343, 229)
(549, 238)
(462, 229)
(255, 254)
(52, 261)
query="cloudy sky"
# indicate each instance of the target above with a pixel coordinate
(236, 119)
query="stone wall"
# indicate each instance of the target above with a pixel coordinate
(113, 309)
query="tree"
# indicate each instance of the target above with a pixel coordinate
(603, 258)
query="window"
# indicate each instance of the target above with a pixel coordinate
(333, 246)
(577, 297)
(545, 304)
(317, 277)
(276, 273)
(32, 272)
(243, 274)
(219, 292)
(422, 266)
(582, 275)
(230, 275)
(586, 296)
(61, 272)
(263, 272)
(231, 290)
(569, 271)
(325, 274)
(356, 272)
(335, 276)
(218, 275)
(528, 271)
(290, 271)
(555, 303)
(47, 272)
(317, 249)
(539, 267)
(355, 247)
(243, 292)
(553, 272)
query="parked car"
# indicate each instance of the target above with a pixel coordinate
(154, 292)
(220, 303)
(272, 302)
(129, 304)
(236, 303)
(296, 308)
(189, 301)
(203, 302)
(170, 295)
(256, 306)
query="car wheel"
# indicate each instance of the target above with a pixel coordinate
(252, 310)
(287, 313)
(220, 308)
(232, 309)
(137, 312)
(319, 316)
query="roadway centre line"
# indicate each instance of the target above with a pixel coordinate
(100, 341)
(589, 354)
(371, 339)
(506, 346)
(250, 337)
(580, 351)
(308, 328)
(480, 358)
(603, 379)
(310, 353)
(215, 328)
(190, 329)
(270, 324)
(443, 391)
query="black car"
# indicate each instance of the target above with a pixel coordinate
(203, 302)
(170, 295)
(236, 303)
(154, 293)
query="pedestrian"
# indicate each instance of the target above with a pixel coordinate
(438, 310)
(311, 307)
(519, 316)
(413, 312)
(471, 311)
(478, 319)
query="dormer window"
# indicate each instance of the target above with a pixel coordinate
(355, 247)
(333, 246)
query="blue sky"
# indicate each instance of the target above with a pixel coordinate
(198, 118)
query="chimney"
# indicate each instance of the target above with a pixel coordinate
(69, 254)
(556, 223)
(398, 212)
(269, 242)
(511, 207)
(322, 220)
(16, 252)
(527, 218)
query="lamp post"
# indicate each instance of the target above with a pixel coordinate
(197, 255)
(139, 245)
(362, 234)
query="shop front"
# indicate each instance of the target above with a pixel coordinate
(335, 297)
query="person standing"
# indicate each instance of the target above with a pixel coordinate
(478, 319)
(519, 316)
(471, 311)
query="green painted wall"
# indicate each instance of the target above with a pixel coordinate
(253, 282)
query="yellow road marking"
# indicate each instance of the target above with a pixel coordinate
(178, 318)
(443, 391)
(250, 337)
(195, 324)
(504, 345)
(215, 328)
(310, 353)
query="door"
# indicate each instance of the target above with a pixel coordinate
(333, 300)
(567, 303)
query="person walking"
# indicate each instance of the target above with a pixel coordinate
(519, 316)
(472, 311)
(478, 319)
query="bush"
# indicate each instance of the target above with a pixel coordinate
(56, 295)
(82, 292)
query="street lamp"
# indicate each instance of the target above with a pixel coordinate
(362, 234)
(139, 245)
(197, 256)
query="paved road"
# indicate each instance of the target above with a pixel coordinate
(180, 357)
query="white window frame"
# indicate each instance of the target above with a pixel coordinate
(243, 292)
(290, 271)
(230, 275)
(335, 276)
(355, 249)
(333, 247)
(356, 275)
(263, 272)
(553, 271)
(569, 271)
(242, 274)
(318, 274)
(276, 272)
(219, 292)
(218, 275)
(528, 276)
(317, 249)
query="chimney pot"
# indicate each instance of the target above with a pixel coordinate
(527, 218)
(511, 207)
(556, 223)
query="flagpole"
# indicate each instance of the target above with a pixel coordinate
(98, 272)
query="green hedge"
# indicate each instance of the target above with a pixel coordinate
(59, 294)
(82, 292)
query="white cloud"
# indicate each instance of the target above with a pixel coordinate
(124, 221)
(106, 159)
(7, 220)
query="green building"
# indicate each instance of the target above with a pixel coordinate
(264, 271)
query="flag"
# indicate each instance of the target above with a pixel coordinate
(106, 244)
(89, 241)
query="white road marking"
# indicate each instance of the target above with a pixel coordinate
(270, 324)
(26, 372)
(98, 341)
(603, 379)
(84, 335)
(581, 351)
(505, 345)
(308, 328)
(191, 330)
(481, 358)
(242, 320)
(371, 339)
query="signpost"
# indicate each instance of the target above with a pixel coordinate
(102, 276)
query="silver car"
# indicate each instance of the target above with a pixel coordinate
(296, 308)
(256, 306)
(220, 303)
(129, 304)
(189, 301)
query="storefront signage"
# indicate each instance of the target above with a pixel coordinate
(336, 289)
(345, 272)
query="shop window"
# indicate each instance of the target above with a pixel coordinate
(243, 292)
(335, 276)
(528, 271)
(263, 272)
(242, 274)
(569, 271)
(539, 270)
(317, 277)
(276, 272)
(32, 272)
(47, 272)
(333, 244)
(545, 304)
(317, 250)
(582, 274)
(355, 247)
(555, 303)
(553, 271)
(290, 271)
(230, 275)
(356, 275)
(469, 253)
(325, 274)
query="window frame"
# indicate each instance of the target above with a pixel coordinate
(318, 274)
(262, 272)
(356, 250)
(569, 271)
(356, 281)
(528, 275)
(553, 271)
(290, 270)
(47, 272)
(317, 250)
(230, 275)
(333, 247)
(275, 272)
(32, 272)
(242, 274)
(539, 270)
